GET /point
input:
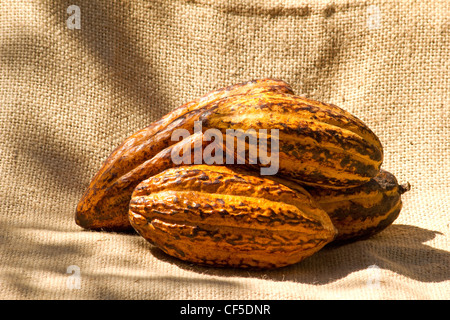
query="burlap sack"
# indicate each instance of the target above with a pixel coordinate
(71, 90)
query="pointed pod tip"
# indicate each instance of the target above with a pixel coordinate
(404, 187)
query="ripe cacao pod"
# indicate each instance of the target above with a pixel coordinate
(363, 211)
(221, 216)
(319, 144)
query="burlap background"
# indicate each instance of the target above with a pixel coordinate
(69, 97)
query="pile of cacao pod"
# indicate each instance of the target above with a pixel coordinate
(328, 187)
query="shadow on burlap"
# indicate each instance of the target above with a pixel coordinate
(69, 97)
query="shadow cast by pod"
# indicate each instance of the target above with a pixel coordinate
(399, 248)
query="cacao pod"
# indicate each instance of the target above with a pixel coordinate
(319, 144)
(221, 216)
(363, 211)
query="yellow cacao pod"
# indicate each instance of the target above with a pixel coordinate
(320, 144)
(363, 211)
(219, 216)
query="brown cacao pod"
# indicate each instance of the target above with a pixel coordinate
(219, 216)
(363, 211)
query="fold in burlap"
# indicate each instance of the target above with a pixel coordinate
(69, 96)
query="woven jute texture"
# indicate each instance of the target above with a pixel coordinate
(69, 96)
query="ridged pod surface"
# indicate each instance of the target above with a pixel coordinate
(104, 205)
(362, 211)
(218, 216)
